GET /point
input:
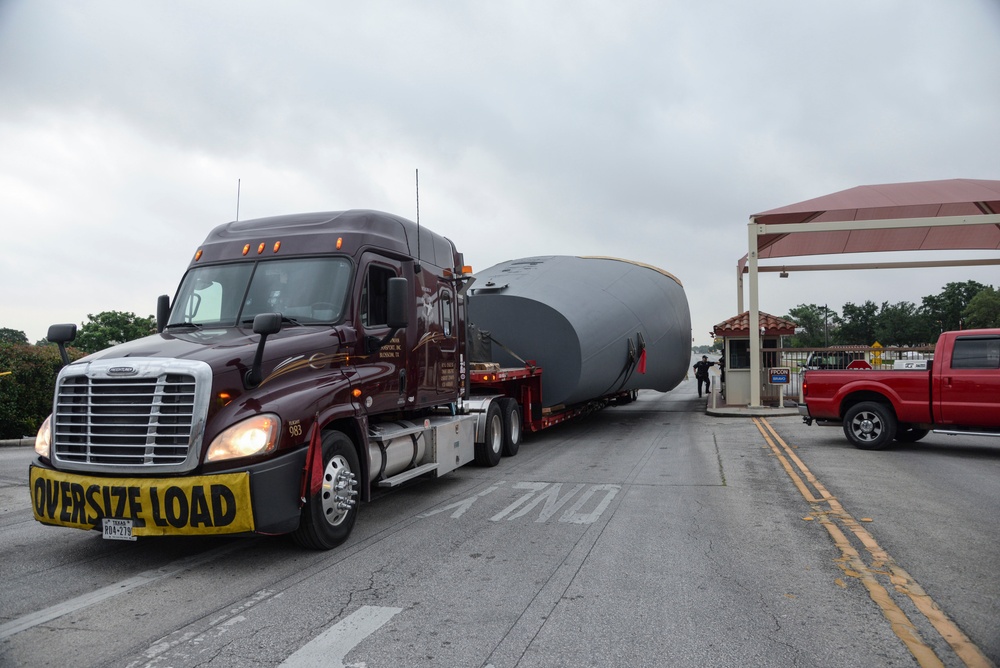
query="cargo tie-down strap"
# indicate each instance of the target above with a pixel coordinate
(632, 361)
(509, 351)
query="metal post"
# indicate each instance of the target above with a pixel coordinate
(754, 315)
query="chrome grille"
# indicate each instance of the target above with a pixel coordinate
(105, 422)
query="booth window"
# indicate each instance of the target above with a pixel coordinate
(739, 354)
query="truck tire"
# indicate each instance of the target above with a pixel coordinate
(513, 426)
(488, 452)
(910, 435)
(870, 425)
(329, 515)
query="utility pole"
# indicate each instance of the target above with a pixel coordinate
(826, 330)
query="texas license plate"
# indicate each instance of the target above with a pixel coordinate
(115, 529)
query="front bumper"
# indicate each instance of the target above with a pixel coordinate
(261, 498)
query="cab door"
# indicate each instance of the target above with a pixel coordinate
(381, 370)
(968, 393)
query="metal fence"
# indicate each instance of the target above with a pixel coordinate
(836, 357)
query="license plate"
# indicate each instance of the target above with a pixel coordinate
(118, 529)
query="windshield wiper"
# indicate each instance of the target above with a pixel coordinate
(284, 318)
(192, 325)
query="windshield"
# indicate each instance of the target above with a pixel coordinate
(306, 291)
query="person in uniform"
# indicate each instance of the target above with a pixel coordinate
(701, 373)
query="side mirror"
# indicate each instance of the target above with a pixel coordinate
(264, 324)
(267, 323)
(61, 335)
(162, 312)
(398, 296)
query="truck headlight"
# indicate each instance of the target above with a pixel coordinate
(43, 439)
(254, 436)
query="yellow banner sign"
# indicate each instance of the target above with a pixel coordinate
(196, 505)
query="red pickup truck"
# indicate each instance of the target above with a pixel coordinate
(959, 393)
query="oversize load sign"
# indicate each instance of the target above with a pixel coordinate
(214, 504)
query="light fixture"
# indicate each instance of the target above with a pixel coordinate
(783, 274)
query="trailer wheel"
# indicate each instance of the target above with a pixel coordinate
(513, 426)
(329, 515)
(488, 452)
(870, 425)
(910, 435)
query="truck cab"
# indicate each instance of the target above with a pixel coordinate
(303, 360)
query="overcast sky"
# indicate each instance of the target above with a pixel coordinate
(648, 130)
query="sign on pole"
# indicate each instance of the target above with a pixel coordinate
(779, 375)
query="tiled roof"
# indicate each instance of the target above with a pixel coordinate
(739, 325)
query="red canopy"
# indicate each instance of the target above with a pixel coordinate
(923, 199)
(957, 214)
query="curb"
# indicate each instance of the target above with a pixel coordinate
(746, 411)
(27, 441)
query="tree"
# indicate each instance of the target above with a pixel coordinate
(983, 309)
(26, 392)
(110, 328)
(857, 324)
(943, 311)
(8, 335)
(900, 325)
(814, 325)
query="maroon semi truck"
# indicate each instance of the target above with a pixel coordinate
(305, 361)
(958, 392)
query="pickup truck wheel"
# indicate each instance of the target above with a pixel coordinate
(910, 435)
(512, 427)
(488, 452)
(329, 515)
(870, 425)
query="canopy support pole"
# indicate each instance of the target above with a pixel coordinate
(753, 322)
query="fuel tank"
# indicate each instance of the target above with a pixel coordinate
(595, 325)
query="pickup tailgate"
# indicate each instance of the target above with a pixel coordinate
(828, 392)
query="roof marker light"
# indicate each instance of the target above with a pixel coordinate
(246, 249)
(277, 246)
(261, 247)
(340, 242)
(197, 256)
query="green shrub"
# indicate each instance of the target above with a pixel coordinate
(26, 392)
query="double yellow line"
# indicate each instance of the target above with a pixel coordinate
(828, 511)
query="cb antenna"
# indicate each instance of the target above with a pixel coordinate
(416, 267)
(237, 200)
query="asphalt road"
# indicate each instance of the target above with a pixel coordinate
(645, 535)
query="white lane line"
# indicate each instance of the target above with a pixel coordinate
(329, 648)
(104, 593)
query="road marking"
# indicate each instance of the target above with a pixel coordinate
(177, 647)
(574, 516)
(328, 649)
(461, 506)
(853, 565)
(547, 494)
(104, 593)
(533, 487)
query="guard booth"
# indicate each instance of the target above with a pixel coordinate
(735, 334)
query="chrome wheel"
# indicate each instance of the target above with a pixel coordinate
(339, 492)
